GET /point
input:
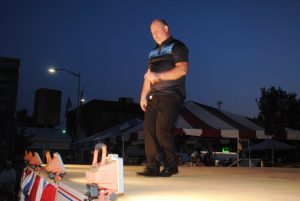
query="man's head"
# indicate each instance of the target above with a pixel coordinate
(159, 30)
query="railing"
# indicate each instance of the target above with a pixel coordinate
(245, 162)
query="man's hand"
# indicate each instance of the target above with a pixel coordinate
(152, 77)
(143, 104)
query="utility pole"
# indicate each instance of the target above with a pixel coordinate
(219, 103)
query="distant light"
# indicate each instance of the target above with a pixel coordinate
(225, 149)
(64, 131)
(82, 100)
(51, 70)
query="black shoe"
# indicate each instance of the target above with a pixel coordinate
(167, 172)
(149, 173)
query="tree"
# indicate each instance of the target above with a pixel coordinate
(278, 110)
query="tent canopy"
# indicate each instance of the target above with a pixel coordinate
(201, 120)
(124, 129)
(195, 119)
(270, 144)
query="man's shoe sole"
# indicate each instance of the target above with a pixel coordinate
(147, 174)
(165, 174)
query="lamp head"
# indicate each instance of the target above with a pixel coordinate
(51, 70)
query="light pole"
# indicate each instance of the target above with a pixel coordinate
(53, 70)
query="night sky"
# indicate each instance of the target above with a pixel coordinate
(236, 47)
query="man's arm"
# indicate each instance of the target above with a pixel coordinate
(180, 70)
(145, 91)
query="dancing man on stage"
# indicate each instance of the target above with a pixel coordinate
(162, 96)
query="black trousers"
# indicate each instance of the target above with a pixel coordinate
(160, 116)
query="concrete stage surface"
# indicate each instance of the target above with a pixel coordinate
(203, 184)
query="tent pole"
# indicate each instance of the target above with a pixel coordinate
(272, 157)
(123, 148)
(249, 156)
(238, 151)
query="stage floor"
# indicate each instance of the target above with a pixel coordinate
(203, 184)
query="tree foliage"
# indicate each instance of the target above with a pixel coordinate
(278, 110)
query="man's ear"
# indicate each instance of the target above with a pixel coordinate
(166, 28)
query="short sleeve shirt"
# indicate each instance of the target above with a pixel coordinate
(163, 58)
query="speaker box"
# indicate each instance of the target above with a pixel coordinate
(47, 105)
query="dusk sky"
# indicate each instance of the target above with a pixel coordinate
(236, 47)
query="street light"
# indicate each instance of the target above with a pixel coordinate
(53, 70)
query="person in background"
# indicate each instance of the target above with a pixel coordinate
(8, 181)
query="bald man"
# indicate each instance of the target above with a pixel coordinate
(162, 96)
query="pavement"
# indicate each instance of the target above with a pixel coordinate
(203, 184)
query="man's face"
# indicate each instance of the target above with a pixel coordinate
(159, 32)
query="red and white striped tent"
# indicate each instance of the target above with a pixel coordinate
(196, 119)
